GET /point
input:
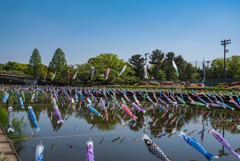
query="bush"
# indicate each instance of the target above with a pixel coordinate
(236, 83)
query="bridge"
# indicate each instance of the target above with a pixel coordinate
(19, 78)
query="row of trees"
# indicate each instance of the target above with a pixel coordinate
(160, 68)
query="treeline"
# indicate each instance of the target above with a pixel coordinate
(160, 68)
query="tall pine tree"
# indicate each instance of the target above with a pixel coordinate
(137, 62)
(58, 63)
(35, 64)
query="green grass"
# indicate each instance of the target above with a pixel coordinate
(2, 157)
(17, 124)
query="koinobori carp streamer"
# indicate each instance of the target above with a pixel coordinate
(193, 143)
(123, 69)
(154, 149)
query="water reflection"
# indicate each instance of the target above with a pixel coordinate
(155, 122)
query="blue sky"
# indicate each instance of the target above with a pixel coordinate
(84, 29)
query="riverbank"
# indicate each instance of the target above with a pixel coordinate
(7, 150)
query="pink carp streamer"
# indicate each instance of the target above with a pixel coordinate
(128, 111)
(106, 114)
(107, 74)
(45, 94)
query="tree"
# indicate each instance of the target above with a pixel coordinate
(216, 69)
(168, 67)
(108, 60)
(170, 56)
(137, 62)
(58, 64)
(35, 64)
(181, 64)
(1, 67)
(156, 57)
(17, 68)
(232, 67)
(84, 73)
(157, 73)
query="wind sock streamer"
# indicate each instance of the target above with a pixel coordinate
(223, 142)
(145, 71)
(225, 105)
(137, 108)
(90, 152)
(93, 68)
(124, 102)
(136, 100)
(103, 103)
(57, 112)
(93, 110)
(74, 77)
(10, 118)
(89, 101)
(33, 117)
(21, 102)
(175, 67)
(54, 75)
(154, 149)
(5, 97)
(193, 143)
(81, 96)
(122, 70)
(128, 111)
(107, 74)
(39, 153)
(163, 102)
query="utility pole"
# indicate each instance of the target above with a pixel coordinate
(208, 63)
(224, 43)
(207, 69)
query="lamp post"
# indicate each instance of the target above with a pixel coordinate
(224, 43)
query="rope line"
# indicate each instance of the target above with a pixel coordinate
(98, 134)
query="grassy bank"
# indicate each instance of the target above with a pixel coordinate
(17, 124)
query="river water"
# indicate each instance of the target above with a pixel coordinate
(67, 141)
